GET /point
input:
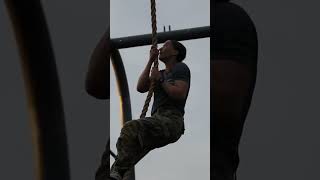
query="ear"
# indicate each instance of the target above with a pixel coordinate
(175, 52)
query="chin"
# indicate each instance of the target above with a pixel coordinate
(161, 59)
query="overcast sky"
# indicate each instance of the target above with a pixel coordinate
(187, 159)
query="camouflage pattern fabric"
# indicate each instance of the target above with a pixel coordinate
(140, 136)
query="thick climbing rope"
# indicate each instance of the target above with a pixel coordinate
(155, 63)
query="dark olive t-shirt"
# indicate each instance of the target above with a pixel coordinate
(179, 72)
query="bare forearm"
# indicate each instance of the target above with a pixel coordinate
(144, 79)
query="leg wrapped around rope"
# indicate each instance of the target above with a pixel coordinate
(138, 137)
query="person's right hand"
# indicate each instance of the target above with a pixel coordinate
(154, 53)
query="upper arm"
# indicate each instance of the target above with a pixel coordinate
(182, 87)
(181, 77)
(143, 89)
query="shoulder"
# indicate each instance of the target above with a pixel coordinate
(181, 67)
(181, 72)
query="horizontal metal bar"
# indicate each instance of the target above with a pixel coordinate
(146, 39)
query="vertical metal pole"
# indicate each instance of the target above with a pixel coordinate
(43, 90)
(123, 88)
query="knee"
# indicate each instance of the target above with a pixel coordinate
(129, 135)
(133, 124)
(130, 128)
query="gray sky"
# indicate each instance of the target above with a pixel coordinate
(188, 158)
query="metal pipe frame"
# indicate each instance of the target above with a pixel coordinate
(122, 84)
(43, 89)
(145, 39)
(124, 93)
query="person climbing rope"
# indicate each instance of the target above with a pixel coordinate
(166, 124)
(233, 73)
(170, 88)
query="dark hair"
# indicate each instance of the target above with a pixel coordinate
(181, 50)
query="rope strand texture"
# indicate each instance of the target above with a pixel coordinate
(155, 63)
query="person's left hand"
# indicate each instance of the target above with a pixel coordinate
(155, 74)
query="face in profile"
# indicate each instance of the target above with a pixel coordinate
(167, 51)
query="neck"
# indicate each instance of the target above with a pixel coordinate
(170, 64)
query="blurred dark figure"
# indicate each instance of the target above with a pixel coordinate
(97, 85)
(233, 71)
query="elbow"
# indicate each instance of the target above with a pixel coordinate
(97, 94)
(177, 95)
(97, 85)
(141, 89)
(96, 91)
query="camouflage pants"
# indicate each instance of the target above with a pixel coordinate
(140, 136)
